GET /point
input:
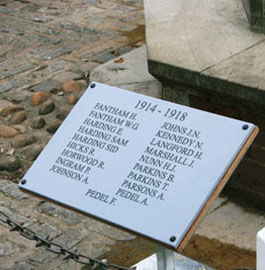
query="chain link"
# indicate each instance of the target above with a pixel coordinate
(56, 248)
(60, 250)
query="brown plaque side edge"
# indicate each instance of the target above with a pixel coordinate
(217, 190)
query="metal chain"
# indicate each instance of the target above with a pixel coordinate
(56, 248)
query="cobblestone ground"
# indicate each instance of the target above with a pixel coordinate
(47, 51)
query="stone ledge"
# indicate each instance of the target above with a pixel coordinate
(213, 83)
(129, 72)
(206, 45)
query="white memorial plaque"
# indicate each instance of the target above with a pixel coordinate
(143, 164)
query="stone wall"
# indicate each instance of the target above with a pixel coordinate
(255, 14)
(247, 185)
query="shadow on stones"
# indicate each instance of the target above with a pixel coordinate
(135, 36)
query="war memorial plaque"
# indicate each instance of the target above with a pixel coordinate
(147, 165)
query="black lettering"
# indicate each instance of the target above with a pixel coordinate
(97, 195)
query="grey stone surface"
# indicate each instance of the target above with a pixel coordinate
(105, 57)
(130, 73)
(66, 76)
(58, 52)
(18, 69)
(7, 11)
(7, 249)
(108, 231)
(46, 86)
(21, 266)
(14, 216)
(56, 211)
(17, 95)
(4, 2)
(70, 238)
(35, 18)
(196, 34)
(30, 7)
(45, 30)
(97, 243)
(77, 28)
(5, 87)
(46, 231)
(11, 189)
(206, 45)
(41, 258)
(58, 65)
(247, 67)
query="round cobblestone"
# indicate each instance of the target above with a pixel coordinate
(23, 140)
(31, 152)
(72, 99)
(47, 107)
(71, 86)
(7, 132)
(62, 113)
(18, 118)
(38, 123)
(38, 98)
(11, 109)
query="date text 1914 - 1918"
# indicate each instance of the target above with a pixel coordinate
(169, 113)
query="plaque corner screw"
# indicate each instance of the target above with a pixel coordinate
(23, 182)
(172, 238)
(245, 127)
(93, 85)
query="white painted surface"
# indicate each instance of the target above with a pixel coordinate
(150, 263)
(261, 250)
(155, 262)
(185, 188)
